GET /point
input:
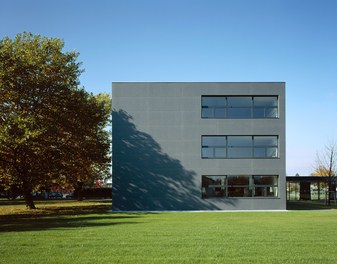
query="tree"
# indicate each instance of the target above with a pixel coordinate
(326, 165)
(51, 131)
(86, 161)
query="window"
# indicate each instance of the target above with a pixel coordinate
(213, 107)
(238, 147)
(265, 186)
(239, 186)
(265, 147)
(214, 186)
(265, 107)
(214, 147)
(239, 107)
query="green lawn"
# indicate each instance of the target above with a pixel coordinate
(73, 232)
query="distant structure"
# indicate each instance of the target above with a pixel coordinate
(311, 188)
(198, 146)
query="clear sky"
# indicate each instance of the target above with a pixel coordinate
(294, 41)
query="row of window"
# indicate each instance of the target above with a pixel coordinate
(237, 107)
(239, 186)
(223, 147)
(217, 147)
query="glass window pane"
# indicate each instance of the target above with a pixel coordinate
(239, 112)
(267, 101)
(213, 192)
(271, 112)
(238, 186)
(219, 112)
(214, 141)
(265, 107)
(238, 180)
(207, 153)
(265, 140)
(233, 101)
(214, 180)
(259, 152)
(272, 191)
(265, 191)
(220, 152)
(265, 152)
(240, 141)
(207, 112)
(240, 106)
(263, 112)
(265, 180)
(266, 186)
(213, 101)
(271, 152)
(239, 192)
(259, 113)
(240, 153)
(260, 191)
(213, 186)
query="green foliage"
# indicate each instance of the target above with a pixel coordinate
(51, 131)
(85, 235)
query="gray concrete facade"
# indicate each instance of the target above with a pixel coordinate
(157, 132)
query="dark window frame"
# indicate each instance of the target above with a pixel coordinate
(210, 187)
(215, 110)
(233, 151)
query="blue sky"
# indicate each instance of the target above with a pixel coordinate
(294, 41)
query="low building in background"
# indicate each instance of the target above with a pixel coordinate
(198, 146)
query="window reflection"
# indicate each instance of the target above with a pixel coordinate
(236, 107)
(240, 101)
(207, 153)
(266, 101)
(239, 147)
(239, 186)
(216, 101)
(213, 186)
(265, 186)
(240, 141)
(239, 113)
(214, 141)
(207, 113)
(220, 153)
(265, 141)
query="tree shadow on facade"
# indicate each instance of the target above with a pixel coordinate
(145, 178)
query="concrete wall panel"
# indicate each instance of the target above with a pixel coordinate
(157, 129)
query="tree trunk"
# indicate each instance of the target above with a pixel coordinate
(29, 198)
(79, 187)
(329, 190)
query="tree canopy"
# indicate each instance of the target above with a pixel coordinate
(326, 161)
(326, 165)
(51, 131)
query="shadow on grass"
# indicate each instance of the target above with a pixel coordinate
(64, 217)
(47, 202)
(6, 202)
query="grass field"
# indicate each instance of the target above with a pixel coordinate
(84, 232)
